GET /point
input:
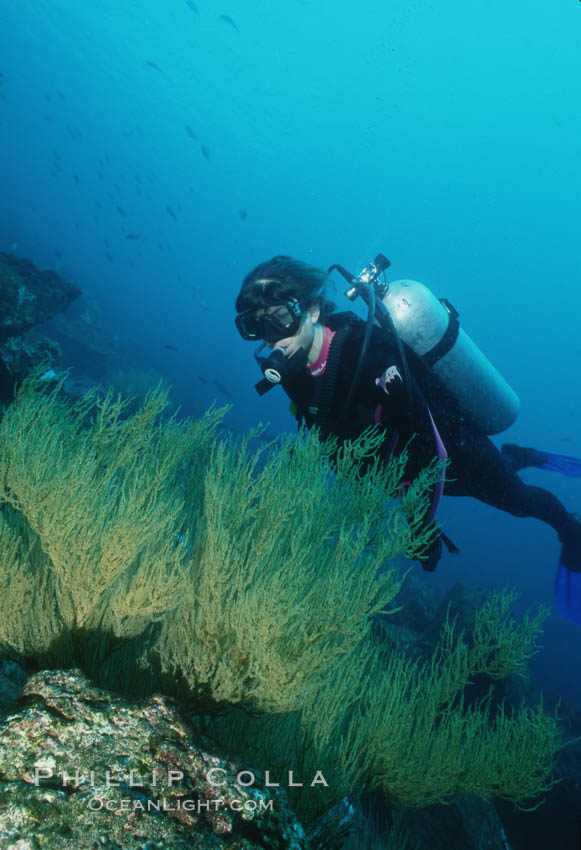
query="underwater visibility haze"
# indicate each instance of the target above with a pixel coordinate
(153, 153)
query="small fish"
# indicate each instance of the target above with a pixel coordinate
(191, 5)
(171, 347)
(109, 256)
(229, 20)
(215, 383)
(223, 389)
(205, 151)
(77, 179)
(133, 236)
(153, 65)
(243, 214)
(190, 132)
(2, 78)
(120, 210)
(172, 213)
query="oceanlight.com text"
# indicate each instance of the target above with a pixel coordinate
(162, 805)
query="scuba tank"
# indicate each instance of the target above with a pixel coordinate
(411, 313)
(431, 328)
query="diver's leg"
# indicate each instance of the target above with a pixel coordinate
(485, 474)
(521, 457)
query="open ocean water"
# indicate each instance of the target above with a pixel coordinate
(155, 152)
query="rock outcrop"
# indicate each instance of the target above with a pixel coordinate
(83, 768)
(28, 297)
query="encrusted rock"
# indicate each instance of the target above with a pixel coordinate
(19, 357)
(29, 296)
(12, 678)
(83, 768)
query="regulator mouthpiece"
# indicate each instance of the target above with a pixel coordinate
(273, 366)
(277, 367)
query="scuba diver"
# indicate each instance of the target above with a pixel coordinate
(412, 371)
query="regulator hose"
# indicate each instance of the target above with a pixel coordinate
(367, 292)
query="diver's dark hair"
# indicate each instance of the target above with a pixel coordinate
(282, 278)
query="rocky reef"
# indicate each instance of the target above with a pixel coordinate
(148, 554)
(81, 767)
(28, 297)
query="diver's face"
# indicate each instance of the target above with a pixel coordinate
(305, 335)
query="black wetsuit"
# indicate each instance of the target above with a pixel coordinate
(477, 468)
(329, 391)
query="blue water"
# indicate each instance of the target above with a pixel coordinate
(447, 135)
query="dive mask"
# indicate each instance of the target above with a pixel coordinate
(279, 320)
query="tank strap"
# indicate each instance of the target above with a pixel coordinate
(447, 342)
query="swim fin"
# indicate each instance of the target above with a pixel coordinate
(521, 457)
(570, 466)
(568, 593)
(568, 578)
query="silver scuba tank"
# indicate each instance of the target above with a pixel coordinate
(431, 328)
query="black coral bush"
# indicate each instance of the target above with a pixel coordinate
(155, 554)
